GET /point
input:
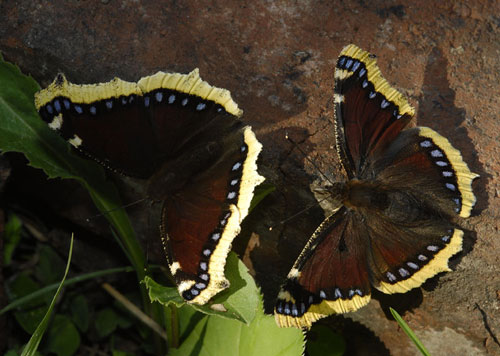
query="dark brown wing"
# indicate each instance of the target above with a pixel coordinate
(201, 220)
(181, 108)
(331, 274)
(424, 164)
(369, 113)
(404, 254)
(133, 127)
(427, 182)
(106, 122)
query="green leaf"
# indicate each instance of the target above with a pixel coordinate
(50, 267)
(33, 313)
(322, 341)
(16, 353)
(409, 332)
(12, 236)
(261, 191)
(257, 335)
(80, 312)
(120, 353)
(108, 320)
(213, 335)
(105, 322)
(238, 302)
(35, 339)
(161, 294)
(16, 96)
(63, 338)
(22, 130)
(242, 297)
(188, 318)
(31, 318)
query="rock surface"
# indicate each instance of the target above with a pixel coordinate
(277, 59)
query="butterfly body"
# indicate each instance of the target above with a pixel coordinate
(393, 227)
(361, 194)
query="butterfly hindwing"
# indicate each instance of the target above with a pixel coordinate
(404, 255)
(201, 220)
(327, 277)
(424, 164)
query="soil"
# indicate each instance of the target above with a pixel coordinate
(277, 59)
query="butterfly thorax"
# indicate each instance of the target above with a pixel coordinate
(176, 172)
(364, 194)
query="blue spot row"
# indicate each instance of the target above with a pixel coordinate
(357, 66)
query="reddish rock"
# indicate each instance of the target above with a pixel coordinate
(277, 59)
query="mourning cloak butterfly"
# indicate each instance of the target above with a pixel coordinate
(182, 135)
(393, 228)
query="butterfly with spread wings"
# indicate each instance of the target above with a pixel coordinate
(393, 228)
(183, 137)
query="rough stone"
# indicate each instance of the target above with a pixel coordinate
(277, 59)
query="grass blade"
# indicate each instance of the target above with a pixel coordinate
(35, 339)
(409, 332)
(92, 275)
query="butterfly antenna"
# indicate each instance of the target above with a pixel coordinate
(115, 209)
(297, 146)
(319, 170)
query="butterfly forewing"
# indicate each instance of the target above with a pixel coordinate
(179, 110)
(369, 114)
(106, 122)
